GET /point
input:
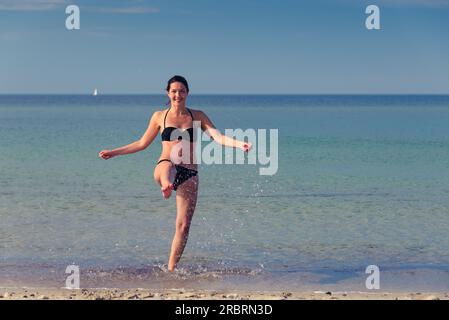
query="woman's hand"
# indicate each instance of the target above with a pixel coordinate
(246, 146)
(106, 154)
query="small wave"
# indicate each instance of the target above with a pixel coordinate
(160, 271)
(158, 276)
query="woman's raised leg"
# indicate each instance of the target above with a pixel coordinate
(164, 175)
(186, 196)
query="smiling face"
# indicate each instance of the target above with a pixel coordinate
(177, 94)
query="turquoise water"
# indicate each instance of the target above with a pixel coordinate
(362, 180)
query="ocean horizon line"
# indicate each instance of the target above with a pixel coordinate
(229, 94)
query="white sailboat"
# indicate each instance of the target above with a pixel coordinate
(95, 93)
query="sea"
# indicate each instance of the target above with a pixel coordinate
(361, 190)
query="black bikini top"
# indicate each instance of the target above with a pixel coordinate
(167, 132)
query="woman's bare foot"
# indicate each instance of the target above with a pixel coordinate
(167, 190)
(171, 268)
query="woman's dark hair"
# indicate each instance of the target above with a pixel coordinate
(178, 79)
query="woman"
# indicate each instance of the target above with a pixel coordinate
(173, 124)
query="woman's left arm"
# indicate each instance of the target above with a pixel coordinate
(208, 127)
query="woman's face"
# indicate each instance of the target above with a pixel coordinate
(177, 94)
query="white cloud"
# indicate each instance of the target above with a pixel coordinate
(46, 5)
(130, 10)
(30, 5)
(400, 3)
(420, 3)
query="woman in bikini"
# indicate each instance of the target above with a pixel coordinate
(175, 124)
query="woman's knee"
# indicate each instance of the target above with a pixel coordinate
(182, 227)
(157, 175)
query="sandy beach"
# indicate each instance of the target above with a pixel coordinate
(180, 294)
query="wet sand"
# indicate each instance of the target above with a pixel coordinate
(180, 294)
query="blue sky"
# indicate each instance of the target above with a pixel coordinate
(245, 46)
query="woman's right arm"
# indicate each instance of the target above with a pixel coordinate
(139, 145)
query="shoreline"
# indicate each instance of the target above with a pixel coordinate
(188, 294)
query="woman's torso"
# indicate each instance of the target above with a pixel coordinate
(175, 129)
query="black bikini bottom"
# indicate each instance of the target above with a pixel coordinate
(182, 174)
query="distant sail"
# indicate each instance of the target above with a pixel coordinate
(95, 92)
